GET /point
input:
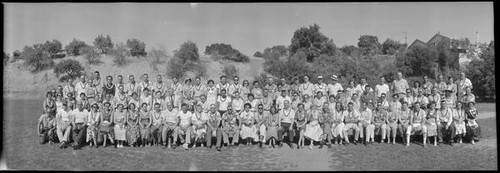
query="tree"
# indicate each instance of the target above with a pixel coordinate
(120, 53)
(418, 61)
(350, 50)
(230, 71)
(289, 68)
(312, 42)
(369, 45)
(275, 52)
(52, 47)
(104, 44)
(391, 47)
(225, 51)
(187, 52)
(36, 59)
(258, 54)
(137, 47)
(70, 68)
(91, 55)
(481, 72)
(75, 46)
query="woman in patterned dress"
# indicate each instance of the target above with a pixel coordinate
(133, 133)
(145, 122)
(247, 125)
(119, 119)
(93, 124)
(272, 126)
(431, 121)
(459, 121)
(300, 121)
(472, 128)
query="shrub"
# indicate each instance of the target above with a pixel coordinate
(258, 54)
(120, 53)
(481, 72)
(291, 67)
(52, 47)
(36, 59)
(275, 52)
(104, 44)
(137, 47)
(225, 51)
(391, 47)
(70, 68)
(157, 56)
(230, 71)
(312, 42)
(187, 51)
(369, 45)
(91, 55)
(74, 47)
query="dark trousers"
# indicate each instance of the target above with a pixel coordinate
(285, 128)
(445, 134)
(79, 134)
(47, 135)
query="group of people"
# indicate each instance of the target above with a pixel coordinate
(191, 114)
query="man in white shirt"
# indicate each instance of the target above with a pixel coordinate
(235, 87)
(131, 86)
(287, 119)
(360, 88)
(335, 86)
(184, 127)
(170, 118)
(462, 84)
(382, 87)
(366, 128)
(222, 85)
(400, 85)
(145, 84)
(223, 101)
(280, 101)
(81, 87)
(351, 119)
(78, 123)
(159, 85)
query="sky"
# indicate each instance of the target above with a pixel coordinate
(248, 27)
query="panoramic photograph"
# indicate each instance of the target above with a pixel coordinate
(388, 86)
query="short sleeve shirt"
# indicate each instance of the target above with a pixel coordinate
(185, 117)
(170, 116)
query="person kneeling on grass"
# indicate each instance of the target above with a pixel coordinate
(79, 122)
(47, 127)
(185, 128)
(105, 130)
(63, 119)
(119, 119)
(199, 121)
(416, 124)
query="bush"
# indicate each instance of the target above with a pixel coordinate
(177, 68)
(36, 59)
(70, 68)
(230, 71)
(157, 56)
(481, 72)
(275, 52)
(137, 47)
(258, 54)
(104, 44)
(187, 52)
(120, 53)
(391, 47)
(291, 67)
(312, 42)
(225, 51)
(369, 45)
(91, 55)
(74, 47)
(52, 47)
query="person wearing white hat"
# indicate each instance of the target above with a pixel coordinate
(335, 86)
(320, 86)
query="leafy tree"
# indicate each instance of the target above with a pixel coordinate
(481, 72)
(104, 44)
(418, 61)
(137, 47)
(187, 52)
(225, 51)
(350, 50)
(312, 42)
(275, 52)
(70, 68)
(91, 55)
(120, 53)
(52, 47)
(36, 59)
(369, 45)
(75, 46)
(289, 68)
(460, 43)
(391, 47)
(258, 54)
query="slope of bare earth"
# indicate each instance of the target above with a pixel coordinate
(19, 83)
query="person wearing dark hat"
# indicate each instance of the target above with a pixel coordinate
(335, 86)
(119, 120)
(79, 122)
(93, 124)
(280, 101)
(63, 127)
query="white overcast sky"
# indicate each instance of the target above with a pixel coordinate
(248, 27)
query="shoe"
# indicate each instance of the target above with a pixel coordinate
(260, 145)
(163, 146)
(451, 144)
(272, 145)
(371, 143)
(218, 148)
(174, 146)
(320, 146)
(61, 145)
(329, 145)
(425, 146)
(298, 146)
(355, 142)
(366, 143)
(280, 145)
(290, 145)
(185, 146)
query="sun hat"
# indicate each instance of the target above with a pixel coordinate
(334, 77)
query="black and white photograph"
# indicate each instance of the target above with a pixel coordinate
(294, 86)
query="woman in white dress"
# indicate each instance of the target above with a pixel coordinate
(313, 130)
(247, 126)
(120, 116)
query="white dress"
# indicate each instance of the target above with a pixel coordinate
(313, 129)
(248, 131)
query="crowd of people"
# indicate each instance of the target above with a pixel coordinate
(192, 114)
